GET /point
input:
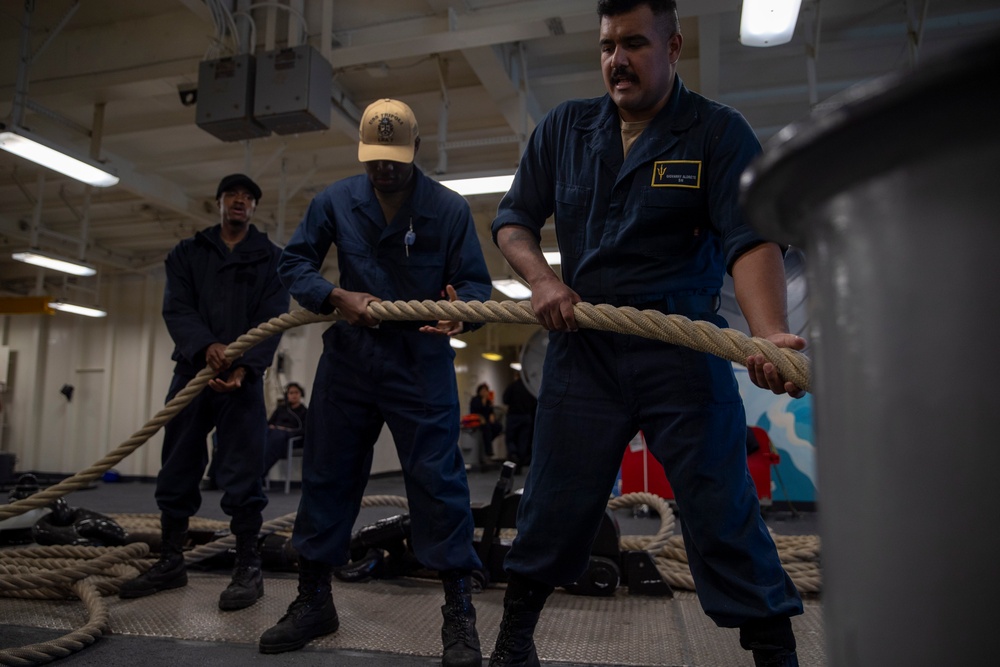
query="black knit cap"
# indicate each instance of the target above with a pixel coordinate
(237, 180)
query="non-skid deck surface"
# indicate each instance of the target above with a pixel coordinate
(403, 617)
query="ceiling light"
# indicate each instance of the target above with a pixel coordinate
(457, 343)
(515, 289)
(553, 257)
(768, 22)
(480, 186)
(492, 356)
(55, 263)
(32, 147)
(78, 310)
(515, 365)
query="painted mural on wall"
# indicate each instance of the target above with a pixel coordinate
(788, 422)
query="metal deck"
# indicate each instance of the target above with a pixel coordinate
(402, 617)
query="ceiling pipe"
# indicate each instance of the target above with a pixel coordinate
(36, 215)
(523, 95)
(326, 29)
(297, 34)
(442, 70)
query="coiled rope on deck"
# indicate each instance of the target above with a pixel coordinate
(799, 554)
(57, 573)
(90, 573)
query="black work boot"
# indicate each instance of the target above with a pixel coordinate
(247, 585)
(771, 641)
(310, 615)
(169, 571)
(458, 633)
(522, 605)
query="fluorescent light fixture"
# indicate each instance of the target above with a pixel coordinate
(67, 307)
(515, 365)
(768, 22)
(515, 289)
(53, 262)
(492, 356)
(480, 186)
(32, 147)
(553, 257)
(457, 343)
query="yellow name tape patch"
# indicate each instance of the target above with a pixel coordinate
(677, 174)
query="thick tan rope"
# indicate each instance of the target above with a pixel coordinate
(56, 572)
(698, 335)
(701, 336)
(86, 573)
(799, 554)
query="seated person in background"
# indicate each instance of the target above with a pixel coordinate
(287, 420)
(482, 405)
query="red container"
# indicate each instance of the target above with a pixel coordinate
(642, 473)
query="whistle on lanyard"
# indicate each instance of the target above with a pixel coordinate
(409, 238)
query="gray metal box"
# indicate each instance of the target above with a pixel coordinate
(293, 90)
(225, 99)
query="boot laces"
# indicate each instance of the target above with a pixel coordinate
(457, 620)
(162, 565)
(302, 605)
(505, 640)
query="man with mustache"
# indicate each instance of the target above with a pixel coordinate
(220, 283)
(643, 184)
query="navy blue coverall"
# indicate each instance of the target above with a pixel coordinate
(213, 295)
(392, 374)
(655, 231)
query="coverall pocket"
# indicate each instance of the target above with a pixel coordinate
(573, 204)
(668, 222)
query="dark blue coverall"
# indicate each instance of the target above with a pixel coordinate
(392, 374)
(213, 295)
(653, 231)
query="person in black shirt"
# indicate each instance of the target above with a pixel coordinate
(219, 283)
(287, 421)
(482, 405)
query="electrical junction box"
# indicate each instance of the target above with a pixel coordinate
(225, 99)
(293, 90)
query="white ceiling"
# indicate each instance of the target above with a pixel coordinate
(130, 59)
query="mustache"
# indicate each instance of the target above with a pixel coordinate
(622, 73)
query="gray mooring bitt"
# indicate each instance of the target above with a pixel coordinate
(893, 192)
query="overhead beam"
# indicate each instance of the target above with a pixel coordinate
(419, 37)
(85, 60)
(96, 253)
(486, 27)
(200, 9)
(500, 70)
